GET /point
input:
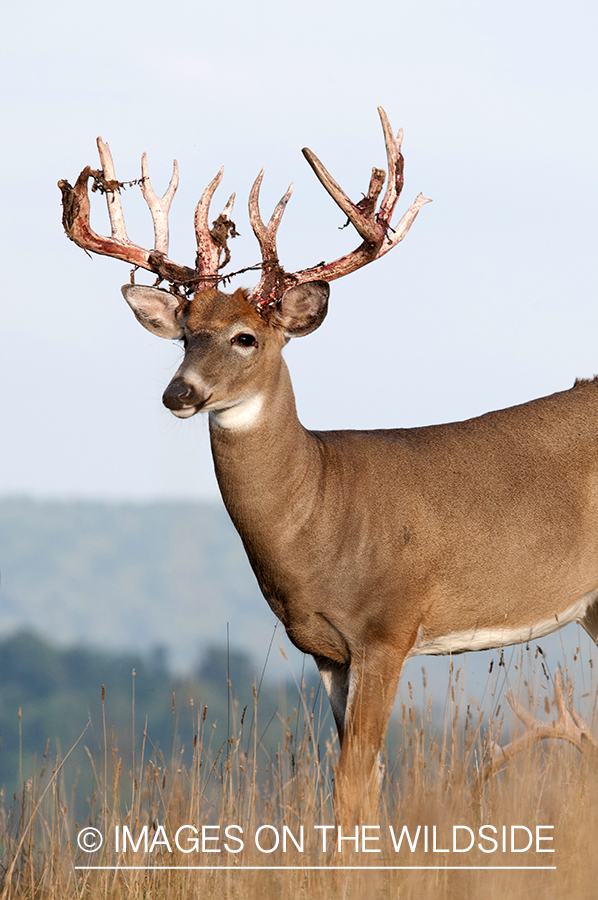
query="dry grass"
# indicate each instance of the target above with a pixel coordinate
(434, 783)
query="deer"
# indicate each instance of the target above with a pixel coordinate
(369, 546)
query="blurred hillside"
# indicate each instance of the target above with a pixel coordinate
(134, 576)
(108, 587)
(48, 695)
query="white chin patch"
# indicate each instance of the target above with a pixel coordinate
(244, 414)
(184, 413)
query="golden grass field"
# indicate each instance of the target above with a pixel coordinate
(436, 781)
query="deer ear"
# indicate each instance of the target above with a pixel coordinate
(155, 309)
(303, 308)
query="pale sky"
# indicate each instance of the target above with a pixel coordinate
(490, 300)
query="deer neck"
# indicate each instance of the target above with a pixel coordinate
(261, 454)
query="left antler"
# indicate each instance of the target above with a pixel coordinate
(373, 227)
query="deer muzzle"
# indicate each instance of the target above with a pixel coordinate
(182, 399)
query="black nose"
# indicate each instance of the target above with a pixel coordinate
(178, 394)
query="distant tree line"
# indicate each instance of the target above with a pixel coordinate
(49, 694)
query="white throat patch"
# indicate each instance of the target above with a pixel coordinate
(244, 414)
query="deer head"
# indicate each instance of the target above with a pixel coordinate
(230, 338)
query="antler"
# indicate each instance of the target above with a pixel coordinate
(375, 229)
(159, 206)
(378, 237)
(569, 726)
(274, 281)
(75, 218)
(210, 244)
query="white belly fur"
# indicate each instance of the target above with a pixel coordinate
(501, 636)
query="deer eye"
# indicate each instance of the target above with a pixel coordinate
(244, 340)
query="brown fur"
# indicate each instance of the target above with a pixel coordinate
(371, 545)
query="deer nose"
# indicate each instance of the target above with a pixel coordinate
(178, 394)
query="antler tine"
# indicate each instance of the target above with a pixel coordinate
(395, 169)
(569, 726)
(279, 209)
(202, 209)
(570, 722)
(396, 162)
(397, 233)
(579, 722)
(559, 698)
(115, 212)
(159, 206)
(259, 229)
(266, 234)
(227, 211)
(364, 224)
(210, 244)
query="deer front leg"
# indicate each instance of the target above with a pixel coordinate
(361, 697)
(335, 678)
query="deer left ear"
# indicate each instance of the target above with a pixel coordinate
(303, 308)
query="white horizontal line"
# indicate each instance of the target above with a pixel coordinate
(310, 868)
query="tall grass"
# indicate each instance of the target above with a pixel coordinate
(433, 782)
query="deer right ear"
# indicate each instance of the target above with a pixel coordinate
(155, 309)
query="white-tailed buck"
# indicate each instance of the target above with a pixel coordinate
(370, 546)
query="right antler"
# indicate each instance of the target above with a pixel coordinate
(210, 244)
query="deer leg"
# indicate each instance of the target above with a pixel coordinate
(335, 678)
(372, 686)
